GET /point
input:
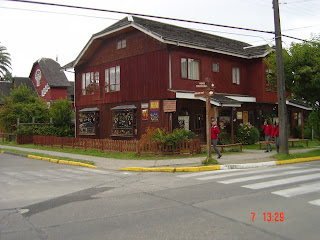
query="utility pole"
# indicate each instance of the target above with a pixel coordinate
(207, 90)
(281, 87)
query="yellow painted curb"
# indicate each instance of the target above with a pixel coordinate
(171, 169)
(54, 160)
(209, 168)
(62, 161)
(35, 157)
(297, 160)
(187, 169)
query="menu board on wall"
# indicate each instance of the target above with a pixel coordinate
(154, 104)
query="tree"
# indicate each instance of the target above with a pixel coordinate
(62, 114)
(302, 75)
(5, 62)
(302, 70)
(23, 103)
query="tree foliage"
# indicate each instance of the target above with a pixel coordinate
(302, 70)
(5, 62)
(61, 112)
(24, 104)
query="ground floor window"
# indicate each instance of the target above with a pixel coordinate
(88, 121)
(124, 121)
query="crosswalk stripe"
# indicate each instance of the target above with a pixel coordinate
(197, 174)
(304, 189)
(282, 181)
(315, 202)
(242, 172)
(262, 176)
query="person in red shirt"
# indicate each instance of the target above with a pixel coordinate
(267, 132)
(275, 133)
(215, 131)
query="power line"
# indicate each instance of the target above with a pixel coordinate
(150, 16)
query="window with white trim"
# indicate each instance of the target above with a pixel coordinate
(112, 79)
(190, 68)
(90, 82)
(121, 44)
(236, 75)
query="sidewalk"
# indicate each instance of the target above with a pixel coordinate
(245, 159)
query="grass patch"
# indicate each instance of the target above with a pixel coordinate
(210, 161)
(313, 153)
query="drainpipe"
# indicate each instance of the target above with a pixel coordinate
(170, 73)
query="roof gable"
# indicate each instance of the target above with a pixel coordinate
(51, 71)
(172, 34)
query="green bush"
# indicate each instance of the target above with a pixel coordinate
(247, 134)
(224, 137)
(163, 137)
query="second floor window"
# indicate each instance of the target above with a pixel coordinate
(112, 77)
(90, 82)
(190, 68)
(236, 75)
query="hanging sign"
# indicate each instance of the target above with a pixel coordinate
(169, 105)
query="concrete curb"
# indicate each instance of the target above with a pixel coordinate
(51, 160)
(220, 167)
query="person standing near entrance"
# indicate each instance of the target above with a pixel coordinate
(267, 132)
(215, 131)
(275, 133)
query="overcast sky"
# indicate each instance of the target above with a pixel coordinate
(30, 31)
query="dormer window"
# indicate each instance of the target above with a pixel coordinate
(121, 44)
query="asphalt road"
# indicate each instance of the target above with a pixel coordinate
(42, 200)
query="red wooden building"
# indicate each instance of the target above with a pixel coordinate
(139, 73)
(49, 81)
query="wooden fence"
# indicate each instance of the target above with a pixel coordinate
(105, 145)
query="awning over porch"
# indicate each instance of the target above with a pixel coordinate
(219, 99)
(94, 109)
(299, 104)
(124, 107)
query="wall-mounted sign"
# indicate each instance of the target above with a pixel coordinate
(154, 116)
(169, 105)
(154, 104)
(144, 105)
(144, 114)
(245, 117)
(239, 115)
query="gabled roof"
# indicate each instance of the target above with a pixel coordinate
(175, 35)
(51, 71)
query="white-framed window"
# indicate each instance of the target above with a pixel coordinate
(215, 67)
(121, 44)
(112, 79)
(190, 68)
(236, 75)
(90, 82)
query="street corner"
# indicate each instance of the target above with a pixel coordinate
(53, 160)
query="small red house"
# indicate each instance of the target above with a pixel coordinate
(140, 73)
(49, 81)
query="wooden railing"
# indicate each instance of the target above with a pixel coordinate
(105, 145)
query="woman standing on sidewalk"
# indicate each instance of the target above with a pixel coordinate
(215, 131)
(275, 133)
(267, 132)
